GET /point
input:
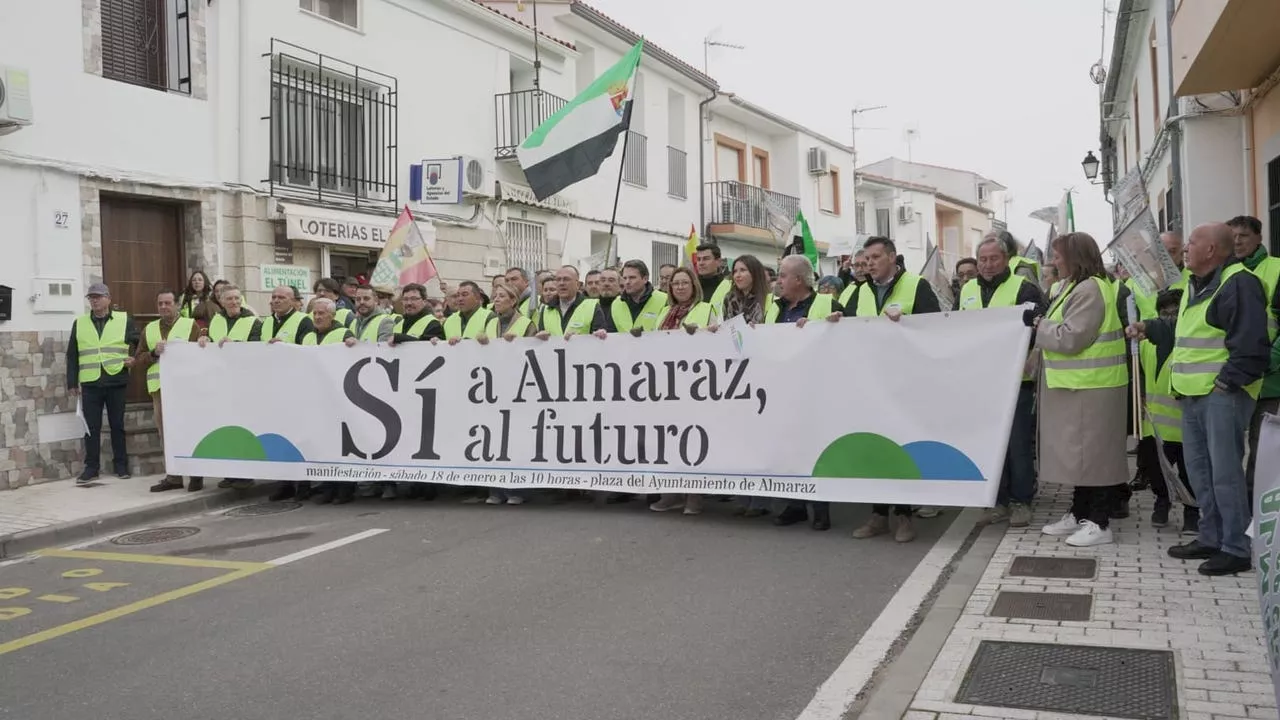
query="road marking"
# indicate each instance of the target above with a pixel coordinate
(144, 604)
(840, 690)
(326, 546)
(153, 559)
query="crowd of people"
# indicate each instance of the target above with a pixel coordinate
(1207, 371)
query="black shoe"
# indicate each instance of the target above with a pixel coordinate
(1120, 511)
(225, 483)
(284, 491)
(195, 484)
(169, 483)
(1160, 516)
(821, 518)
(123, 475)
(1190, 521)
(1223, 563)
(302, 493)
(87, 477)
(345, 494)
(617, 499)
(790, 516)
(1192, 551)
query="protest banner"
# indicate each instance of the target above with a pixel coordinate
(854, 411)
(1130, 198)
(1139, 250)
(1266, 546)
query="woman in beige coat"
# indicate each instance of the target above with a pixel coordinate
(1082, 431)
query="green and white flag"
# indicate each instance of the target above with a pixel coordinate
(571, 145)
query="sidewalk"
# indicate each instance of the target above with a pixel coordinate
(1004, 648)
(38, 516)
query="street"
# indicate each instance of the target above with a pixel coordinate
(439, 610)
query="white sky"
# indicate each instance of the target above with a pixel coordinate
(999, 87)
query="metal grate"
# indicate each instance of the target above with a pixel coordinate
(333, 129)
(1084, 680)
(517, 114)
(1042, 606)
(147, 42)
(736, 203)
(268, 508)
(677, 173)
(1051, 567)
(154, 535)
(526, 245)
(635, 164)
(664, 254)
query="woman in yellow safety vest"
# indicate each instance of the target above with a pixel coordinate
(686, 308)
(506, 321)
(1083, 392)
(750, 296)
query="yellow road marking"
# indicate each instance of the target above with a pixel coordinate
(153, 559)
(145, 603)
(58, 598)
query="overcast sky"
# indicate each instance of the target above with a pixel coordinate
(999, 87)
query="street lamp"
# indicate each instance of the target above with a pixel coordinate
(1090, 165)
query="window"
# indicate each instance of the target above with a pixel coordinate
(1161, 219)
(1137, 129)
(731, 161)
(884, 228)
(1125, 141)
(526, 245)
(346, 12)
(1153, 57)
(860, 217)
(635, 166)
(760, 167)
(677, 173)
(829, 192)
(1273, 205)
(663, 253)
(333, 129)
(147, 42)
(675, 119)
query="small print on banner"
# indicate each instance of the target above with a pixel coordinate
(1266, 546)
(731, 412)
(1130, 197)
(1139, 250)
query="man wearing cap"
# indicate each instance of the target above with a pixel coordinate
(99, 356)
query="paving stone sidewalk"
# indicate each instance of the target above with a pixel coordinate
(1141, 599)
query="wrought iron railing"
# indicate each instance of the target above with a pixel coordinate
(677, 173)
(635, 166)
(517, 114)
(734, 203)
(333, 128)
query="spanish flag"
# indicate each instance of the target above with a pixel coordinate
(405, 258)
(691, 249)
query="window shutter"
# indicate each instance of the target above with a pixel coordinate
(132, 40)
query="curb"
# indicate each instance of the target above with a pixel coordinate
(98, 526)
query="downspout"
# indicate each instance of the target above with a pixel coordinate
(702, 161)
(1175, 140)
(1246, 147)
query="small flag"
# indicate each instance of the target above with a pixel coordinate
(936, 275)
(691, 248)
(1066, 220)
(404, 258)
(570, 146)
(810, 247)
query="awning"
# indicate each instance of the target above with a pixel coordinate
(345, 228)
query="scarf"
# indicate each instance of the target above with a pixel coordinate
(675, 316)
(738, 303)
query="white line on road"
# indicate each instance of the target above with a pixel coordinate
(840, 690)
(302, 554)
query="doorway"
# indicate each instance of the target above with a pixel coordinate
(141, 255)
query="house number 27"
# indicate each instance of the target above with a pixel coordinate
(60, 219)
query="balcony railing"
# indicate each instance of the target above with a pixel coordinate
(734, 203)
(517, 114)
(635, 166)
(677, 173)
(333, 130)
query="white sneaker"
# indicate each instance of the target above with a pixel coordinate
(1089, 535)
(1068, 525)
(493, 500)
(515, 500)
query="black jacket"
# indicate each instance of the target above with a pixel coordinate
(926, 301)
(1240, 310)
(434, 330)
(131, 338)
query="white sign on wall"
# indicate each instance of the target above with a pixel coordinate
(442, 181)
(274, 276)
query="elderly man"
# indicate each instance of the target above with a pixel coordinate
(610, 289)
(326, 329)
(170, 327)
(665, 271)
(286, 324)
(234, 323)
(1249, 249)
(518, 279)
(571, 313)
(1220, 352)
(471, 318)
(997, 286)
(99, 357)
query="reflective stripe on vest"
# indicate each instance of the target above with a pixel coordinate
(101, 353)
(699, 315)
(721, 292)
(238, 332)
(475, 324)
(180, 332)
(822, 306)
(1006, 295)
(579, 321)
(370, 332)
(1200, 349)
(1164, 410)
(519, 326)
(418, 328)
(288, 332)
(902, 297)
(334, 337)
(1268, 271)
(1102, 364)
(648, 317)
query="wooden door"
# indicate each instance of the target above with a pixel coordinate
(141, 255)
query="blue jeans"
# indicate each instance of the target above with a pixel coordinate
(1018, 481)
(1214, 428)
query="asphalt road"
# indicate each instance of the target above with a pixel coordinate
(455, 612)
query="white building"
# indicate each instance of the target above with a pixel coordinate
(899, 210)
(762, 168)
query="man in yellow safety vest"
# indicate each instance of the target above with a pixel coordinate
(170, 327)
(99, 357)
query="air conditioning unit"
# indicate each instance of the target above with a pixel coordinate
(15, 99)
(906, 215)
(818, 164)
(476, 176)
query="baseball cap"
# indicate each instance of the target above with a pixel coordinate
(98, 289)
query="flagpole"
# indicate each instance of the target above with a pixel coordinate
(622, 164)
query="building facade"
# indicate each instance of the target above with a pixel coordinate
(904, 212)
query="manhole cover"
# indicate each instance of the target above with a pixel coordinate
(1082, 680)
(1051, 567)
(270, 508)
(155, 535)
(1041, 606)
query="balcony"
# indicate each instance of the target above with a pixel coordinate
(677, 173)
(1224, 45)
(517, 114)
(745, 212)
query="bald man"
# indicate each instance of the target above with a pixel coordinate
(1220, 350)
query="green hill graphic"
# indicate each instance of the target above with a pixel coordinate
(866, 455)
(230, 442)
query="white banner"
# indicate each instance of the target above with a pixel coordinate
(1266, 544)
(864, 410)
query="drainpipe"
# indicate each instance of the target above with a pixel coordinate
(1246, 147)
(702, 163)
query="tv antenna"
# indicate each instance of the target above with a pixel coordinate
(707, 44)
